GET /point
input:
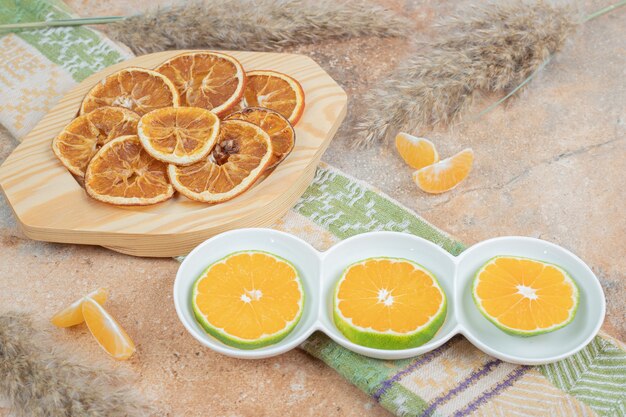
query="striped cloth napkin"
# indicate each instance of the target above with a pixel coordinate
(38, 66)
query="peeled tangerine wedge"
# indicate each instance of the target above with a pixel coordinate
(389, 303)
(445, 175)
(281, 132)
(525, 297)
(73, 314)
(123, 173)
(243, 151)
(138, 89)
(416, 152)
(210, 80)
(109, 334)
(79, 141)
(275, 91)
(179, 135)
(249, 299)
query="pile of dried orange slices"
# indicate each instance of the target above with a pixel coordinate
(197, 124)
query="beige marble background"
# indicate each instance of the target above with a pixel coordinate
(551, 164)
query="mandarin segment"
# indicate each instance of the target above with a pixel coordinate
(445, 175)
(123, 173)
(210, 80)
(389, 303)
(242, 153)
(416, 152)
(281, 133)
(179, 135)
(249, 299)
(525, 297)
(275, 91)
(79, 141)
(138, 89)
(110, 335)
(73, 314)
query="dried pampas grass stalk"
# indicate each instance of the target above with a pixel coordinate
(40, 380)
(491, 48)
(257, 25)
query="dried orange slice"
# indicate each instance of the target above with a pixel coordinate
(206, 79)
(73, 314)
(242, 153)
(274, 124)
(79, 141)
(138, 89)
(445, 175)
(179, 135)
(109, 334)
(417, 152)
(525, 297)
(276, 91)
(123, 173)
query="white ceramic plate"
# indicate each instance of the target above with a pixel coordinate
(321, 270)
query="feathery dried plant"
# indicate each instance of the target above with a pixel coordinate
(41, 380)
(489, 48)
(256, 25)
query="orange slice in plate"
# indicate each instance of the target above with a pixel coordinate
(206, 79)
(179, 135)
(243, 151)
(138, 89)
(73, 314)
(416, 152)
(79, 141)
(123, 173)
(109, 334)
(445, 175)
(275, 91)
(274, 124)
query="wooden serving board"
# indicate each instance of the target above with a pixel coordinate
(51, 205)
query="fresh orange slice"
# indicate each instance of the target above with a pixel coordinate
(242, 153)
(179, 135)
(389, 303)
(109, 334)
(138, 89)
(73, 314)
(274, 124)
(79, 141)
(445, 175)
(206, 79)
(123, 173)
(525, 297)
(417, 152)
(275, 91)
(249, 299)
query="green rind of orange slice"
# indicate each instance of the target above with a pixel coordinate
(520, 332)
(390, 340)
(237, 342)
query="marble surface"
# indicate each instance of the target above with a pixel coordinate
(550, 164)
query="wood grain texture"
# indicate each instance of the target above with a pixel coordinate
(50, 205)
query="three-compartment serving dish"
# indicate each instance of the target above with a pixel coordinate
(320, 271)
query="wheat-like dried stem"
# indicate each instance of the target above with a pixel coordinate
(491, 48)
(40, 379)
(256, 25)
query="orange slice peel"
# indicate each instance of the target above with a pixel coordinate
(179, 135)
(275, 91)
(281, 133)
(241, 155)
(138, 89)
(123, 173)
(206, 79)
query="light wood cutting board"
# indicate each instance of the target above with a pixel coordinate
(50, 204)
